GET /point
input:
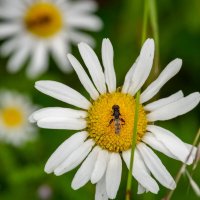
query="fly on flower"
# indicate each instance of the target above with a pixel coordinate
(96, 144)
(14, 111)
(116, 119)
(34, 28)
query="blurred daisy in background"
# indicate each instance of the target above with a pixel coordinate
(106, 123)
(36, 28)
(14, 111)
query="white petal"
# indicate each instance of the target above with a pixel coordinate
(59, 49)
(18, 59)
(64, 150)
(62, 123)
(152, 141)
(63, 93)
(128, 78)
(170, 71)
(57, 112)
(100, 193)
(91, 23)
(164, 101)
(77, 37)
(94, 67)
(83, 77)
(9, 29)
(141, 189)
(39, 61)
(100, 166)
(113, 175)
(175, 109)
(12, 44)
(140, 171)
(75, 158)
(143, 67)
(107, 58)
(83, 175)
(14, 13)
(83, 7)
(156, 167)
(172, 142)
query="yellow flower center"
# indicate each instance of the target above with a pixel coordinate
(43, 19)
(12, 117)
(111, 120)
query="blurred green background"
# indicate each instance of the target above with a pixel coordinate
(21, 169)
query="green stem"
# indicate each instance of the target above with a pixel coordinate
(145, 19)
(134, 142)
(137, 104)
(154, 25)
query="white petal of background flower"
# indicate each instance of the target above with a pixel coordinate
(18, 59)
(175, 109)
(83, 77)
(143, 67)
(13, 12)
(64, 150)
(156, 167)
(94, 67)
(170, 71)
(75, 158)
(11, 45)
(9, 29)
(84, 173)
(23, 131)
(91, 23)
(77, 37)
(164, 101)
(82, 7)
(21, 54)
(100, 166)
(63, 93)
(39, 60)
(140, 171)
(59, 50)
(74, 17)
(107, 58)
(113, 175)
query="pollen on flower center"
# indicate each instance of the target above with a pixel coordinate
(43, 19)
(113, 131)
(12, 117)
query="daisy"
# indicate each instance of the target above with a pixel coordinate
(103, 140)
(35, 28)
(14, 111)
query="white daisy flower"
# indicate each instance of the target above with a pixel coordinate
(14, 111)
(105, 123)
(35, 28)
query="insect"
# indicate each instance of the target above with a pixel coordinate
(118, 121)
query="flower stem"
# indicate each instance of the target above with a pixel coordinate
(137, 104)
(183, 167)
(134, 141)
(145, 18)
(154, 25)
